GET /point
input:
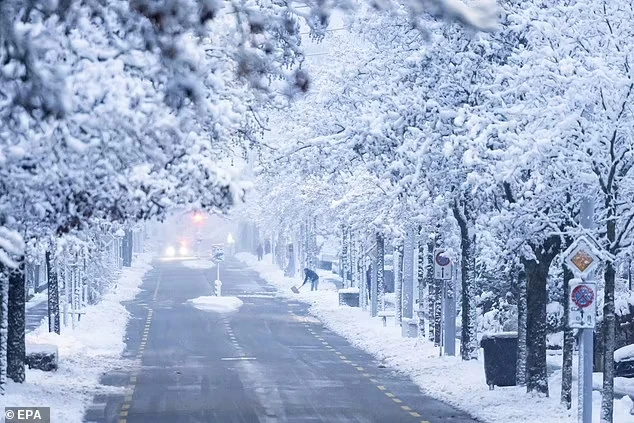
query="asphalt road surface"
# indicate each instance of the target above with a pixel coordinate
(268, 362)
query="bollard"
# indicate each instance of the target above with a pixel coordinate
(218, 286)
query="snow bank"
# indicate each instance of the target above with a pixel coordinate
(93, 348)
(199, 264)
(217, 304)
(457, 382)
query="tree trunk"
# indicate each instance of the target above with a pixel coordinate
(408, 275)
(353, 256)
(398, 284)
(301, 250)
(431, 292)
(4, 323)
(16, 344)
(536, 301)
(609, 338)
(313, 243)
(469, 341)
(344, 256)
(438, 298)
(521, 328)
(53, 296)
(421, 287)
(127, 248)
(380, 268)
(566, 371)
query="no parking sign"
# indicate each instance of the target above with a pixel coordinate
(583, 304)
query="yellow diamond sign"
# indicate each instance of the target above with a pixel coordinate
(582, 257)
(581, 260)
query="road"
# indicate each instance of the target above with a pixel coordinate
(268, 362)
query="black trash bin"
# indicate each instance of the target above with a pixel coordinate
(349, 297)
(500, 358)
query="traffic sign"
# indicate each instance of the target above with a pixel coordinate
(582, 296)
(218, 252)
(582, 303)
(442, 265)
(582, 257)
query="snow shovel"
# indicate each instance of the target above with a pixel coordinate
(295, 289)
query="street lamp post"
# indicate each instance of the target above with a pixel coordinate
(198, 220)
(231, 241)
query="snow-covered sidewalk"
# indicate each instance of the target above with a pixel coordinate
(446, 378)
(85, 353)
(37, 299)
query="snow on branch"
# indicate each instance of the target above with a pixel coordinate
(11, 244)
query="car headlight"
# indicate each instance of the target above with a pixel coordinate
(170, 251)
(183, 251)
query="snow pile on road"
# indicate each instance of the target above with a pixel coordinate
(93, 348)
(457, 382)
(217, 304)
(198, 264)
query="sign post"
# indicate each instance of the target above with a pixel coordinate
(443, 273)
(582, 258)
(218, 254)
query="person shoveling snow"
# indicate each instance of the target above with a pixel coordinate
(309, 276)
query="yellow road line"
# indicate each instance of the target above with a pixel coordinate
(414, 414)
(396, 400)
(374, 380)
(389, 394)
(382, 388)
(366, 374)
(406, 408)
(360, 369)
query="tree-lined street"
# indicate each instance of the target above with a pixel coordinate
(268, 362)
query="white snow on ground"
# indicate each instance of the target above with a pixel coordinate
(217, 304)
(93, 348)
(461, 383)
(37, 299)
(198, 264)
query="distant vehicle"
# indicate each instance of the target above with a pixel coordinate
(182, 248)
(624, 361)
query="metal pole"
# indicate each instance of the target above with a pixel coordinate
(450, 316)
(586, 347)
(218, 271)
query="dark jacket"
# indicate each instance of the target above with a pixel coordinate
(310, 275)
